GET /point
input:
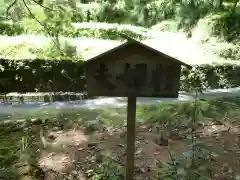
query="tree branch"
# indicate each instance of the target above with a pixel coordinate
(43, 6)
(44, 27)
(9, 7)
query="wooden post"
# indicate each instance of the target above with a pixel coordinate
(131, 122)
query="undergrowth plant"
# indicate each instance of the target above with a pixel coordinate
(51, 50)
(19, 147)
(108, 170)
(200, 161)
(195, 164)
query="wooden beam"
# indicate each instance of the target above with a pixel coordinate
(131, 122)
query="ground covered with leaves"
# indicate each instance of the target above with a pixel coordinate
(197, 140)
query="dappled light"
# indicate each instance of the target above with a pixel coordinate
(62, 152)
(68, 139)
(76, 142)
(56, 162)
(53, 126)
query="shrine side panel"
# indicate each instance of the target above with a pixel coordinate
(134, 75)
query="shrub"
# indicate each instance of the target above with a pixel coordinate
(207, 76)
(31, 25)
(19, 49)
(41, 76)
(227, 25)
(108, 170)
(51, 50)
(102, 33)
(230, 53)
(17, 11)
(10, 29)
(113, 12)
(87, 12)
(157, 11)
(189, 12)
(66, 75)
(113, 32)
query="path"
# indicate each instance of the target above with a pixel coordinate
(105, 102)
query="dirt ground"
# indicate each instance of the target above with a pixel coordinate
(69, 151)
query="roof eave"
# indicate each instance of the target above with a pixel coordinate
(131, 40)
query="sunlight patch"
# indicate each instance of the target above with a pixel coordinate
(57, 162)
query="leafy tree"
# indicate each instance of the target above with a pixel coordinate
(218, 4)
(235, 5)
(59, 14)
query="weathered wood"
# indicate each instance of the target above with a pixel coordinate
(131, 121)
(133, 70)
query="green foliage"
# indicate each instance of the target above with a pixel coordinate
(8, 149)
(207, 76)
(53, 51)
(65, 67)
(17, 11)
(38, 12)
(59, 15)
(144, 13)
(112, 117)
(58, 19)
(20, 143)
(30, 26)
(47, 76)
(226, 25)
(108, 170)
(14, 50)
(183, 112)
(189, 12)
(180, 168)
(10, 29)
(231, 53)
(50, 50)
(154, 12)
(140, 12)
(87, 13)
(58, 22)
(18, 149)
(113, 33)
(112, 12)
(199, 162)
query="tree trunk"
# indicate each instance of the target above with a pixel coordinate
(235, 5)
(217, 4)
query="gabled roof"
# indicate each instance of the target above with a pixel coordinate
(133, 41)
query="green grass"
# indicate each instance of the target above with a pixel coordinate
(180, 112)
(209, 109)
